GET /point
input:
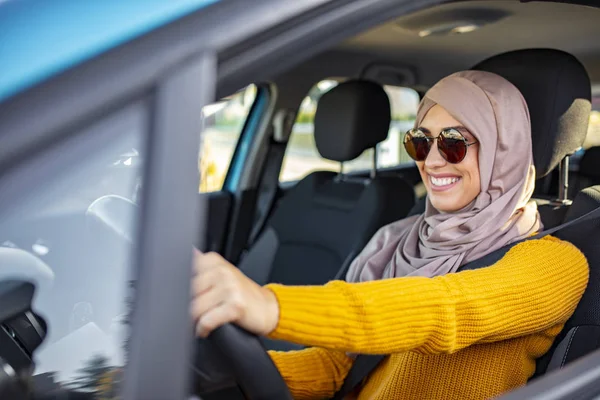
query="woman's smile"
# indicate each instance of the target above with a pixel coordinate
(442, 182)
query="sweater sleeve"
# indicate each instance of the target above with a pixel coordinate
(535, 286)
(312, 373)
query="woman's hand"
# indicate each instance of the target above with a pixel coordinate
(222, 294)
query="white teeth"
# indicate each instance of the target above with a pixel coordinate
(442, 181)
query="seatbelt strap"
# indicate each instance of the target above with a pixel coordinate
(268, 189)
(364, 364)
(362, 367)
(283, 122)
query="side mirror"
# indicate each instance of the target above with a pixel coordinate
(21, 332)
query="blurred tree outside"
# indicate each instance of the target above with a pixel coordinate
(90, 376)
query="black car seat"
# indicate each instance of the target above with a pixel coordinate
(581, 333)
(557, 89)
(327, 218)
(588, 173)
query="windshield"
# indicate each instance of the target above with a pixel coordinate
(77, 221)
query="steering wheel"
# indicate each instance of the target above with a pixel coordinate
(248, 363)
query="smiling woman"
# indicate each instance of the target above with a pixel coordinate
(451, 172)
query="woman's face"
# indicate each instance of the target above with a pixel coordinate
(450, 187)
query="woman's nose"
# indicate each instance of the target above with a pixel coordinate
(434, 158)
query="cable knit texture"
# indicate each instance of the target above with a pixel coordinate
(467, 335)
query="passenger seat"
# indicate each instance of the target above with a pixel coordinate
(581, 333)
(323, 222)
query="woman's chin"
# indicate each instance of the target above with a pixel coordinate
(445, 203)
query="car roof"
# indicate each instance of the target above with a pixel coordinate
(40, 38)
(405, 58)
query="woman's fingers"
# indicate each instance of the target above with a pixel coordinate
(209, 299)
(216, 317)
(204, 262)
(205, 280)
(208, 271)
(211, 290)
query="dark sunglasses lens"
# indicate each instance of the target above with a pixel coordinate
(416, 145)
(452, 146)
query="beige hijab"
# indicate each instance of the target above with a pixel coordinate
(435, 243)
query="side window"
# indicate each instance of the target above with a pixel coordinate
(223, 123)
(302, 157)
(71, 230)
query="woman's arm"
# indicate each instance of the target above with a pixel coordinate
(535, 286)
(312, 373)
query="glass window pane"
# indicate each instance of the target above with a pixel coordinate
(223, 123)
(77, 220)
(302, 157)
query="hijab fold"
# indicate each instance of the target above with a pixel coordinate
(436, 243)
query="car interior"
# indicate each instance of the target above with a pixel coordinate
(307, 230)
(555, 69)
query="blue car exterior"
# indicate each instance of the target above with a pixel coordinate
(41, 38)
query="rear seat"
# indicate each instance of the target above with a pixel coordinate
(588, 173)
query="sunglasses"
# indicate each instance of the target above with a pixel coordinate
(451, 144)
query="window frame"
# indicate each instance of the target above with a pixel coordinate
(68, 104)
(245, 140)
(167, 232)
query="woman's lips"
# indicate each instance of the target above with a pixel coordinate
(443, 183)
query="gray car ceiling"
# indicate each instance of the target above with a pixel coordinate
(503, 25)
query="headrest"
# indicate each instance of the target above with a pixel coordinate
(350, 118)
(557, 89)
(589, 165)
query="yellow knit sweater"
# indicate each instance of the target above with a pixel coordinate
(468, 335)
